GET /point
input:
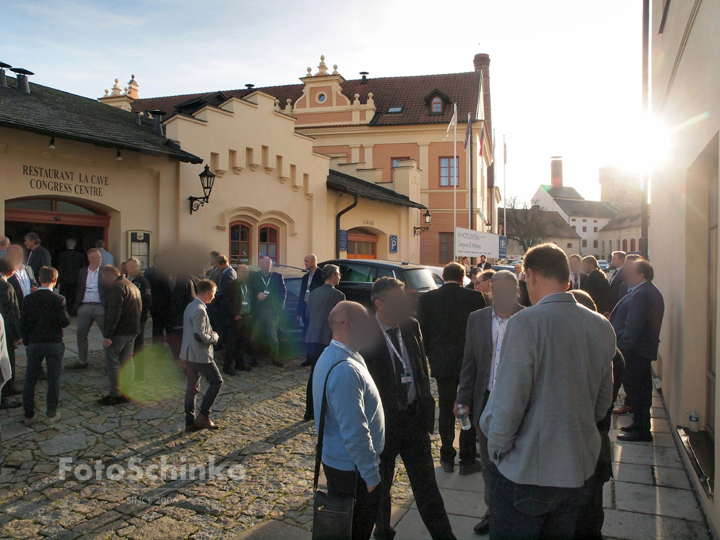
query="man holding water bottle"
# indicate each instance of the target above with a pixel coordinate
(481, 359)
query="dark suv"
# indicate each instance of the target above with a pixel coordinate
(358, 275)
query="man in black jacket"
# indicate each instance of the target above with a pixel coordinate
(234, 311)
(484, 265)
(184, 292)
(10, 312)
(162, 295)
(398, 365)
(39, 256)
(132, 267)
(443, 315)
(616, 280)
(596, 284)
(44, 317)
(310, 281)
(122, 325)
(268, 298)
(69, 264)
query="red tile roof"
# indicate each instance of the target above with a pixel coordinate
(408, 92)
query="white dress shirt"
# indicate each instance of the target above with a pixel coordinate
(92, 287)
(24, 280)
(404, 358)
(498, 334)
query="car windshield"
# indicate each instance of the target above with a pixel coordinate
(293, 287)
(420, 279)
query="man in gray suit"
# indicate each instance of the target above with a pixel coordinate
(197, 351)
(556, 356)
(485, 331)
(320, 303)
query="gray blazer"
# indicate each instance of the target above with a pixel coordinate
(319, 305)
(477, 361)
(554, 383)
(196, 321)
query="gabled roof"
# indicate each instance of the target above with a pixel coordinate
(355, 186)
(563, 193)
(408, 92)
(52, 112)
(557, 227)
(628, 217)
(591, 209)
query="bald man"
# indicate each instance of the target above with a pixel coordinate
(310, 281)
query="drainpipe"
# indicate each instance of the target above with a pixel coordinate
(337, 224)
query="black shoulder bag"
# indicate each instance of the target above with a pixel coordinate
(332, 516)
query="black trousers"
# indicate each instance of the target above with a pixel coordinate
(161, 325)
(313, 352)
(447, 392)
(238, 343)
(342, 483)
(69, 291)
(412, 443)
(637, 380)
(9, 387)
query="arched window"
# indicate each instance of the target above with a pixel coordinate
(436, 106)
(268, 243)
(632, 244)
(239, 243)
(624, 245)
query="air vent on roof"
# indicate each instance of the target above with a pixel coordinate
(364, 77)
(3, 80)
(157, 121)
(22, 79)
(249, 89)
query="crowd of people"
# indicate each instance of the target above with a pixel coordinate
(529, 361)
(533, 385)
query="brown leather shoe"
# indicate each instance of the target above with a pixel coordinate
(625, 409)
(203, 422)
(190, 428)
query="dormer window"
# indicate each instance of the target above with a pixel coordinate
(395, 110)
(436, 107)
(321, 97)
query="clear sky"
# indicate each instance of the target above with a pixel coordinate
(565, 74)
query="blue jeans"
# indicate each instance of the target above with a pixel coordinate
(117, 356)
(193, 371)
(529, 512)
(53, 355)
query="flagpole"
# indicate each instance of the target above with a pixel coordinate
(456, 180)
(504, 187)
(468, 175)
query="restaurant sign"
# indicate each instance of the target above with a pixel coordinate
(65, 181)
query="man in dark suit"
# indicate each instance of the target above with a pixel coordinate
(220, 309)
(23, 280)
(320, 303)
(485, 330)
(443, 314)
(637, 320)
(310, 281)
(268, 298)
(235, 313)
(39, 256)
(596, 284)
(132, 267)
(578, 278)
(616, 280)
(184, 292)
(10, 312)
(484, 265)
(397, 362)
(44, 317)
(161, 290)
(69, 264)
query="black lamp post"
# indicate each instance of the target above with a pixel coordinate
(428, 219)
(207, 179)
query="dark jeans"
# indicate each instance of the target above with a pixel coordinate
(528, 512)
(412, 443)
(265, 332)
(193, 370)
(447, 392)
(342, 483)
(637, 380)
(591, 516)
(484, 456)
(53, 355)
(313, 352)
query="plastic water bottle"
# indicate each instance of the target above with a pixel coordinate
(693, 420)
(463, 415)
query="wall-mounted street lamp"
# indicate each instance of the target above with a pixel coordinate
(428, 219)
(207, 179)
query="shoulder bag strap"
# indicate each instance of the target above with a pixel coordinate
(321, 428)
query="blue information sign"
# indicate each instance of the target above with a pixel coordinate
(502, 248)
(393, 243)
(343, 241)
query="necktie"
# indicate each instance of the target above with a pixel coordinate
(399, 369)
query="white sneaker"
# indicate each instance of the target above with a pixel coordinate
(31, 421)
(53, 419)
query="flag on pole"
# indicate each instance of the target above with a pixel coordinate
(468, 133)
(451, 125)
(482, 139)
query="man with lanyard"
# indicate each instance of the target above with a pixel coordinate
(268, 293)
(89, 305)
(310, 281)
(397, 362)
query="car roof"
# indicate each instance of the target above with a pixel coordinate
(284, 271)
(377, 262)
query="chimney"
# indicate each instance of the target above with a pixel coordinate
(482, 63)
(3, 80)
(556, 172)
(364, 77)
(157, 122)
(22, 79)
(137, 118)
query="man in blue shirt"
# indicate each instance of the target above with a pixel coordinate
(354, 431)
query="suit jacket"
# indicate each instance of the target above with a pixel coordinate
(223, 308)
(160, 289)
(69, 264)
(275, 301)
(143, 286)
(614, 288)
(10, 311)
(317, 281)
(637, 320)
(319, 305)
(215, 275)
(38, 258)
(184, 292)
(477, 361)
(123, 309)
(15, 282)
(486, 266)
(82, 282)
(196, 321)
(523, 296)
(596, 285)
(583, 281)
(43, 318)
(623, 290)
(443, 315)
(380, 365)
